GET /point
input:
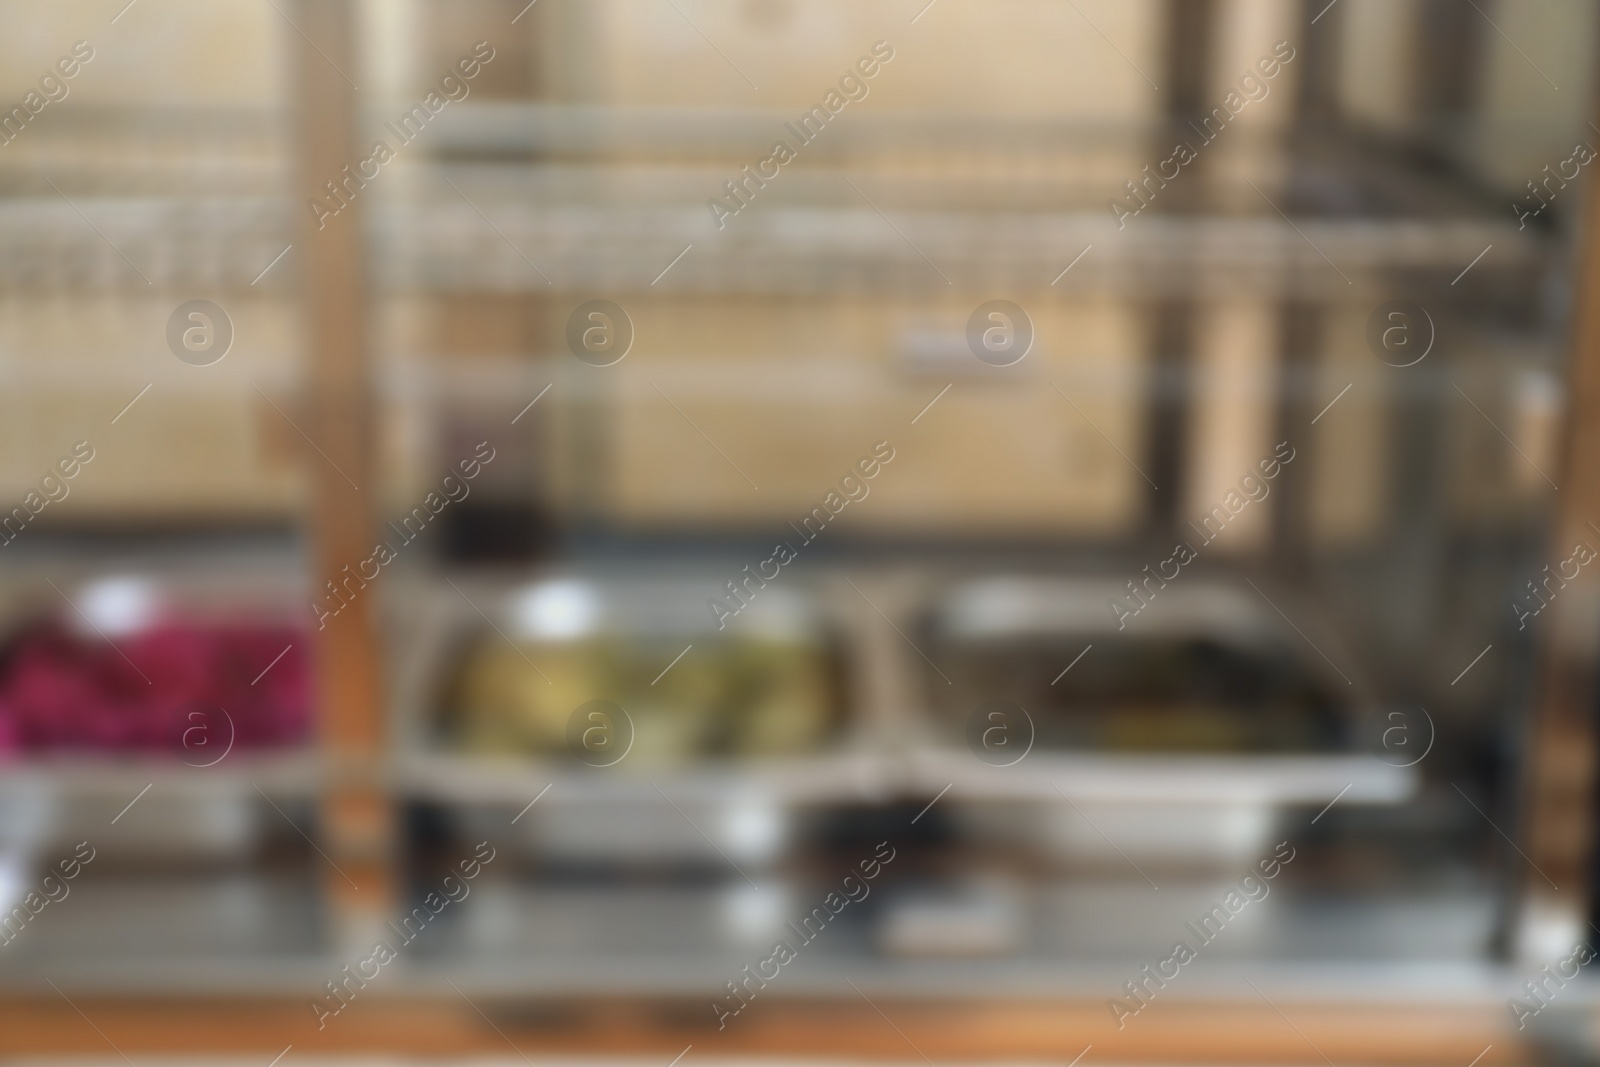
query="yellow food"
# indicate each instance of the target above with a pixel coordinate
(736, 697)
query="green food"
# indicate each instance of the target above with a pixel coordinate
(736, 697)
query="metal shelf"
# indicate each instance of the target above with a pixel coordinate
(1190, 780)
(293, 772)
(459, 779)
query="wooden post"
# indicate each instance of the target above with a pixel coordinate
(1558, 818)
(356, 823)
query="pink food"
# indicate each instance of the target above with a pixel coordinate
(165, 689)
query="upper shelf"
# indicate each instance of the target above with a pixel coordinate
(531, 198)
(538, 244)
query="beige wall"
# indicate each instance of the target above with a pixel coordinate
(1352, 453)
(1377, 42)
(1526, 122)
(1234, 413)
(1013, 56)
(160, 52)
(200, 441)
(794, 395)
